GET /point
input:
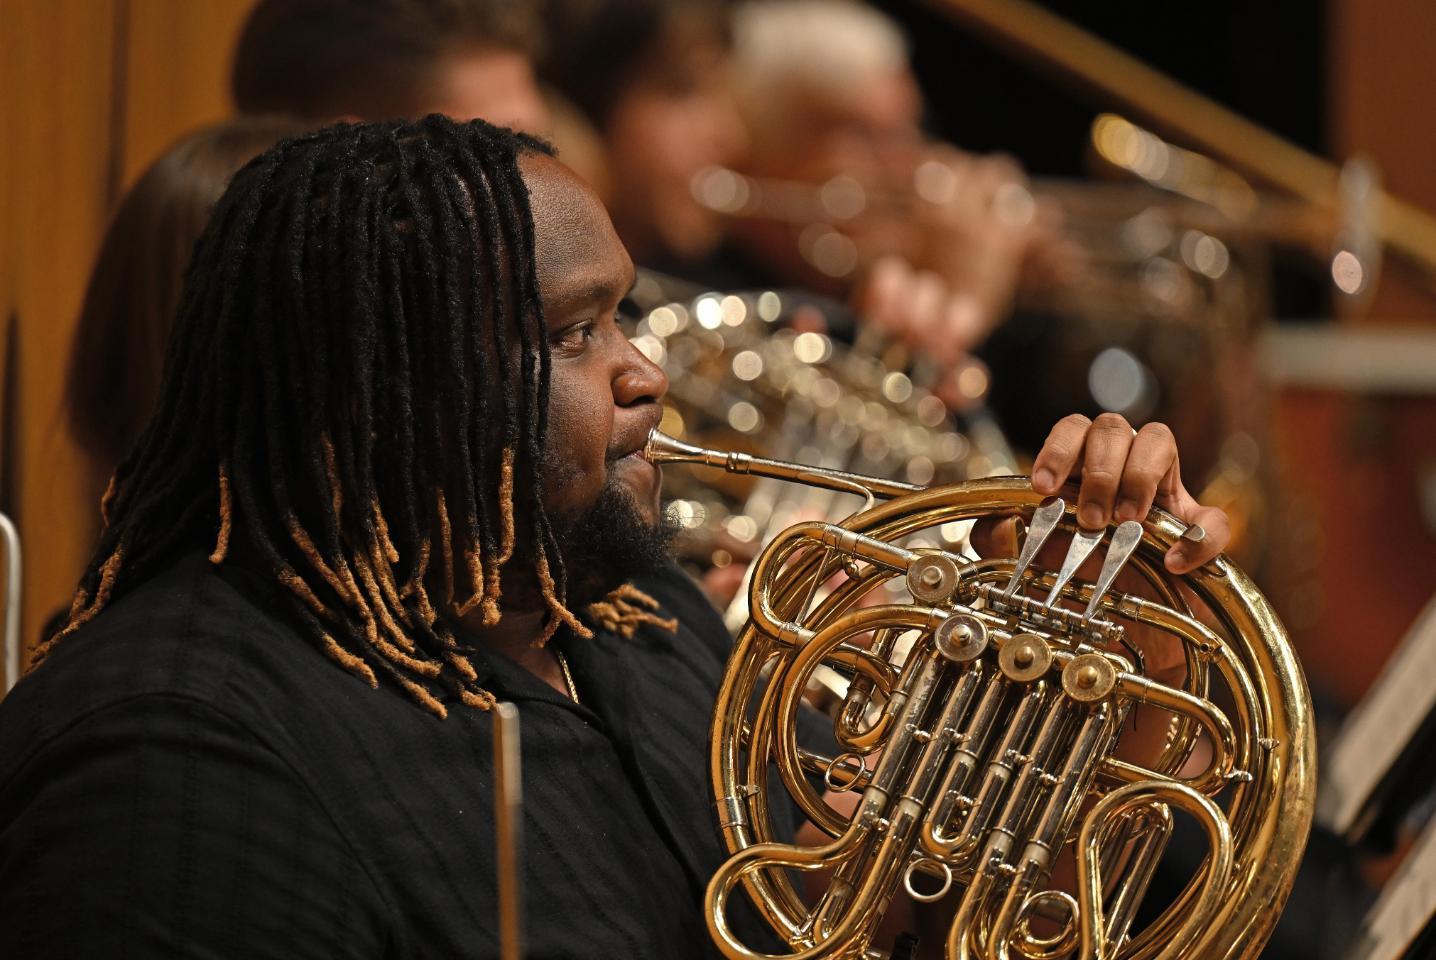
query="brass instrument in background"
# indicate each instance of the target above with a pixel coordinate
(1189, 191)
(743, 376)
(992, 745)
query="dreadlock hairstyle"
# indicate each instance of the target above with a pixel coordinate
(325, 401)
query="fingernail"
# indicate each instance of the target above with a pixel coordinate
(1129, 510)
(1044, 479)
(1091, 516)
(1177, 560)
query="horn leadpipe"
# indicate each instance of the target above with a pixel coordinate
(661, 448)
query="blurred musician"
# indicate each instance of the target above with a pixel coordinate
(343, 59)
(134, 289)
(393, 474)
(328, 60)
(827, 92)
(663, 110)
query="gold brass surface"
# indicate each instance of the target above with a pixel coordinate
(982, 771)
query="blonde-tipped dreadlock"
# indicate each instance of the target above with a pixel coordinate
(82, 608)
(626, 609)
(226, 518)
(359, 367)
(107, 498)
(492, 591)
(558, 614)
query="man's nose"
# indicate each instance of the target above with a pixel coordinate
(640, 380)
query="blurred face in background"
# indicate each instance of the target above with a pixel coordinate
(491, 84)
(872, 131)
(673, 119)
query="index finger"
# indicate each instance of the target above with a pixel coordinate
(1059, 454)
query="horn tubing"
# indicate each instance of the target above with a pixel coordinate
(661, 448)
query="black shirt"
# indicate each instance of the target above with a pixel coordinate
(188, 776)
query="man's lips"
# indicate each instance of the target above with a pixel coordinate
(635, 442)
(635, 460)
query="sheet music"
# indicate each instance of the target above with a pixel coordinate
(1380, 727)
(1407, 903)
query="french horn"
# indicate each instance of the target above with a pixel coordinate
(983, 725)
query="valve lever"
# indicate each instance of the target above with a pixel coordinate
(1124, 544)
(1044, 520)
(1083, 543)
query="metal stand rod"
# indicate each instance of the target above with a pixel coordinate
(11, 636)
(508, 814)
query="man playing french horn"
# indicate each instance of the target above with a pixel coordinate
(396, 474)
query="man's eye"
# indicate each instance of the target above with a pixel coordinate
(575, 336)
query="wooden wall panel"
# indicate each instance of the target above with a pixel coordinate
(178, 54)
(10, 107)
(91, 91)
(59, 66)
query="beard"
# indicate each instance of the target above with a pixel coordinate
(610, 543)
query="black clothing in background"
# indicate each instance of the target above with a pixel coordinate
(187, 776)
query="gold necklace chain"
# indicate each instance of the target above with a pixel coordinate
(567, 676)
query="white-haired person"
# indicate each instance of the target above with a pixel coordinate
(830, 100)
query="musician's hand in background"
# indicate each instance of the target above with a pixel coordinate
(921, 310)
(935, 323)
(987, 233)
(978, 225)
(1123, 475)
